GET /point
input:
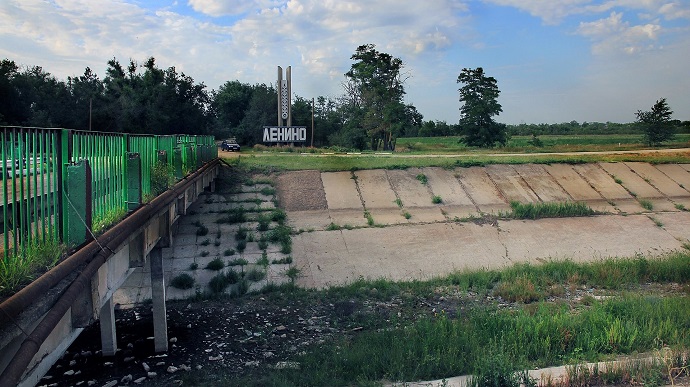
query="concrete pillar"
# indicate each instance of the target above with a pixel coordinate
(160, 322)
(108, 337)
(213, 186)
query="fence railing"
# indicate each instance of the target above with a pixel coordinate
(34, 166)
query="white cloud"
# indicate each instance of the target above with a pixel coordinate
(613, 34)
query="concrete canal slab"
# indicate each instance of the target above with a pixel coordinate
(541, 183)
(658, 180)
(443, 183)
(586, 238)
(578, 188)
(677, 173)
(676, 224)
(309, 220)
(631, 180)
(347, 217)
(615, 194)
(426, 214)
(511, 184)
(481, 189)
(397, 252)
(375, 189)
(410, 190)
(306, 191)
(341, 191)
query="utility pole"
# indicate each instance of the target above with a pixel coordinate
(312, 122)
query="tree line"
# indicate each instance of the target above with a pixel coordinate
(370, 114)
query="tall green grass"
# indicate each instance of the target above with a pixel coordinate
(438, 347)
(549, 210)
(20, 269)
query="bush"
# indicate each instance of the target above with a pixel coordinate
(215, 265)
(241, 245)
(256, 275)
(238, 262)
(233, 277)
(218, 283)
(229, 252)
(162, 178)
(182, 281)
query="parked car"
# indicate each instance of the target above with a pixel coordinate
(230, 146)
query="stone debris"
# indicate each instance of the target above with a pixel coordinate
(140, 380)
(171, 369)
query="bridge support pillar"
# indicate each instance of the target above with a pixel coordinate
(108, 336)
(160, 323)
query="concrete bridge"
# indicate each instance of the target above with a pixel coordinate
(40, 321)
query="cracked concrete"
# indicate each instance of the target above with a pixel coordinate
(456, 234)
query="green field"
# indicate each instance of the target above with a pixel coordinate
(551, 143)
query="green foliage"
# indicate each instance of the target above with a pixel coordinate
(202, 230)
(282, 261)
(20, 269)
(232, 276)
(234, 215)
(436, 199)
(370, 218)
(282, 235)
(215, 265)
(376, 89)
(218, 283)
(422, 178)
(238, 262)
(264, 222)
(496, 369)
(182, 281)
(646, 204)
(241, 245)
(656, 123)
(103, 222)
(407, 215)
(479, 98)
(549, 210)
(228, 252)
(255, 275)
(278, 216)
(263, 261)
(293, 273)
(162, 178)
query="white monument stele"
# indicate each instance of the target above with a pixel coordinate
(284, 131)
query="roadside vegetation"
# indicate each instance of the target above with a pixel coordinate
(268, 162)
(460, 324)
(20, 268)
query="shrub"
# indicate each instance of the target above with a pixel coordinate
(264, 260)
(238, 262)
(256, 275)
(242, 287)
(264, 222)
(422, 178)
(215, 265)
(241, 245)
(241, 234)
(218, 283)
(204, 253)
(202, 230)
(182, 281)
(193, 266)
(234, 215)
(646, 204)
(162, 177)
(436, 199)
(206, 242)
(282, 261)
(278, 216)
(232, 276)
(228, 252)
(293, 273)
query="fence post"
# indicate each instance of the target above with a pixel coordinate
(78, 203)
(177, 162)
(133, 181)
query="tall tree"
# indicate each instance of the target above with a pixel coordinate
(478, 97)
(656, 123)
(376, 87)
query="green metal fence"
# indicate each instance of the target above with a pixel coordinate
(34, 164)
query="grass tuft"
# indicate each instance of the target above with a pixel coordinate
(549, 210)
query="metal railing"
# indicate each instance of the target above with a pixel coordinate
(33, 166)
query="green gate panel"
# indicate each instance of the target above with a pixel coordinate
(177, 163)
(78, 199)
(133, 181)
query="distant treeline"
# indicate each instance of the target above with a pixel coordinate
(143, 98)
(441, 128)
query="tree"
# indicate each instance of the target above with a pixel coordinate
(375, 86)
(656, 123)
(479, 98)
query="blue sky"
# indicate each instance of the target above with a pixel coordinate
(555, 60)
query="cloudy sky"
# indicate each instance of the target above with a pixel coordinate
(555, 60)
